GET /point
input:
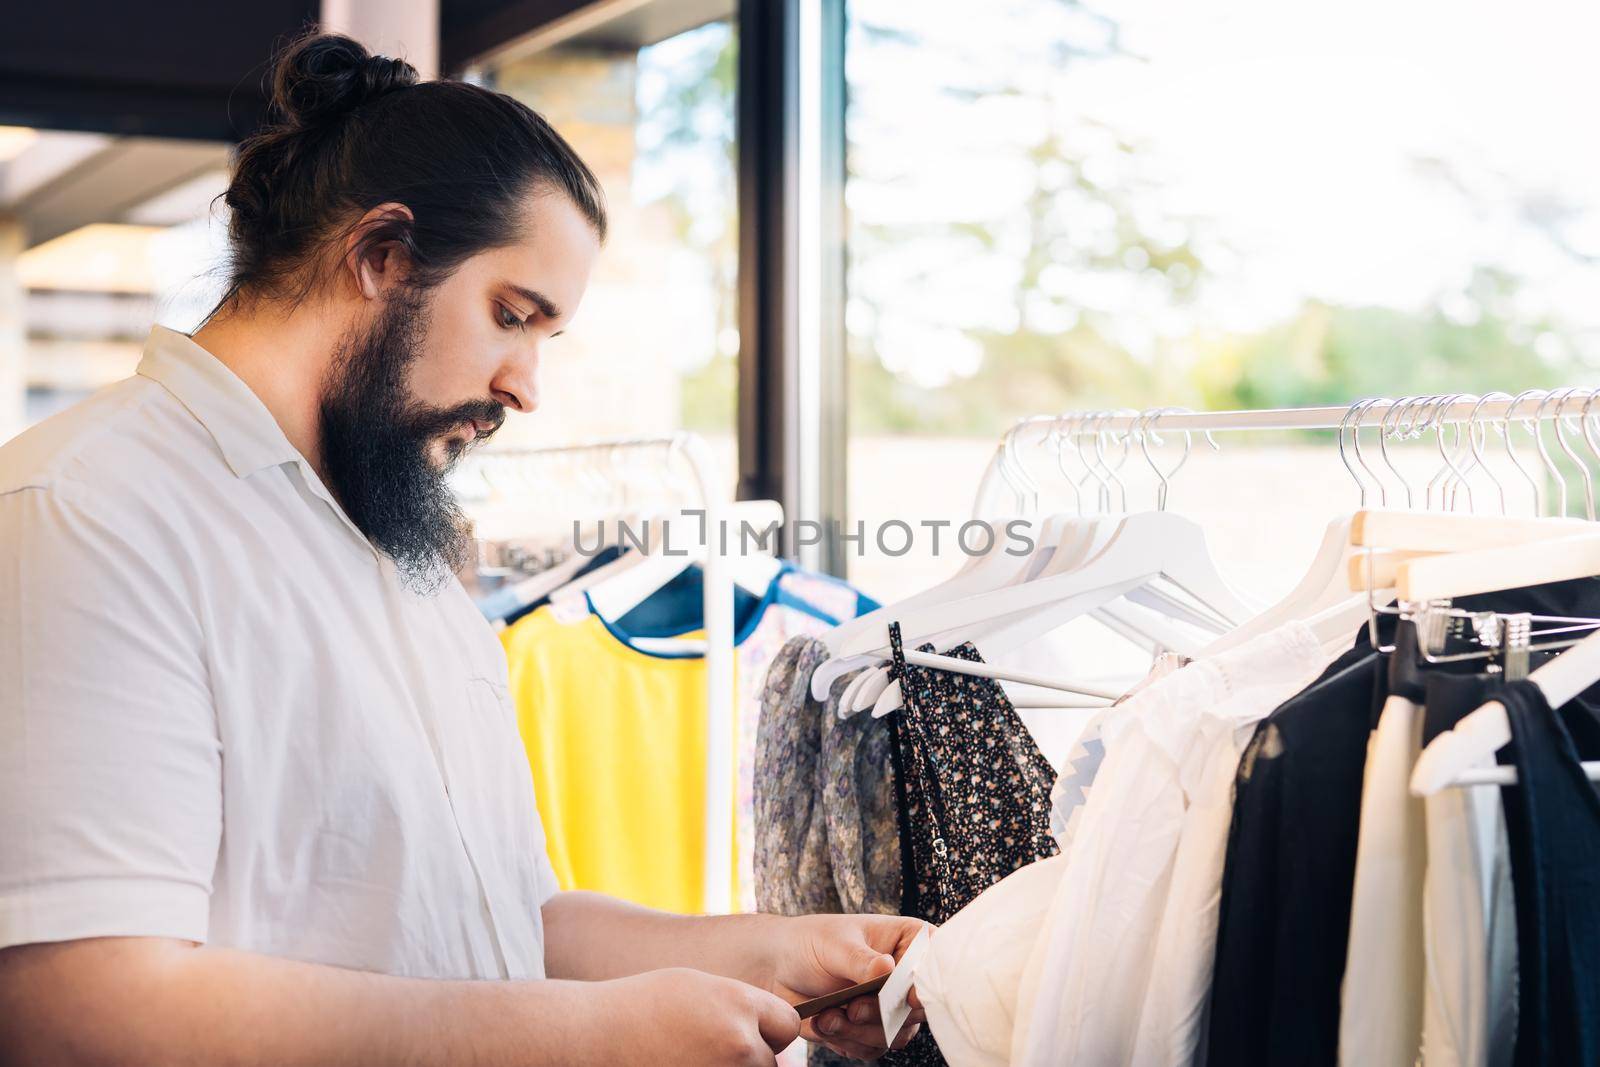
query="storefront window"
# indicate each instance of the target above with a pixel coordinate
(1065, 206)
(654, 347)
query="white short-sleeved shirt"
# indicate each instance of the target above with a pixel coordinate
(222, 717)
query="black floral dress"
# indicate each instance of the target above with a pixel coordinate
(973, 794)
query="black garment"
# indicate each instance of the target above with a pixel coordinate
(1451, 698)
(973, 792)
(1284, 919)
(1553, 827)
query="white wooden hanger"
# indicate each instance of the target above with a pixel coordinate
(889, 698)
(978, 573)
(1182, 550)
(1074, 538)
(1138, 615)
(1147, 627)
(1078, 541)
(1322, 588)
(1024, 696)
(1115, 571)
(996, 567)
(1336, 625)
(1060, 541)
(1063, 542)
(1455, 757)
(1154, 630)
(633, 555)
(623, 584)
(1143, 626)
(1146, 547)
(1091, 695)
(888, 691)
(1507, 567)
(848, 699)
(1500, 554)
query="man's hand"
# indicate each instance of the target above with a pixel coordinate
(597, 939)
(688, 1017)
(817, 954)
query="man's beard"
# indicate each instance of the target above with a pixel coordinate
(376, 440)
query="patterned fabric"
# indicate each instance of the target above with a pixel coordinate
(858, 802)
(793, 872)
(1071, 792)
(974, 795)
(827, 830)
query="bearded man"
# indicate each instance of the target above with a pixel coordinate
(261, 795)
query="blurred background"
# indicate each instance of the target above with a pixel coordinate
(855, 240)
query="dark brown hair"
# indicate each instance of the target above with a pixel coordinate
(349, 130)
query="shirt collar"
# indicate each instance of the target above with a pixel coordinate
(249, 437)
(245, 431)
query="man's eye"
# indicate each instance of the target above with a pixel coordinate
(507, 319)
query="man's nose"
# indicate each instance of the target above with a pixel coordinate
(517, 386)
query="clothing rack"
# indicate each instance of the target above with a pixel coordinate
(1363, 414)
(721, 772)
(1412, 413)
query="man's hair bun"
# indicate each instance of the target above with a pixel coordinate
(320, 78)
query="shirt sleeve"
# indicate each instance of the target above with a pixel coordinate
(546, 883)
(110, 759)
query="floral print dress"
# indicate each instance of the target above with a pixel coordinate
(974, 793)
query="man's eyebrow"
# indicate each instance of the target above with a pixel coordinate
(545, 305)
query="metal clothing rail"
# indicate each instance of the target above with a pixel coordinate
(1363, 414)
(1408, 415)
(721, 770)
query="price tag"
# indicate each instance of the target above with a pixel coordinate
(893, 999)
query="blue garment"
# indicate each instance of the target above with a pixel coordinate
(679, 606)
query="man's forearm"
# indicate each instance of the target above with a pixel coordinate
(129, 1001)
(594, 937)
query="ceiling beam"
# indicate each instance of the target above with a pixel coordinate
(111, 182)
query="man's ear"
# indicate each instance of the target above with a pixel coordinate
(377, 249)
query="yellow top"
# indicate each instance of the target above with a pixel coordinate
(616, 738)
